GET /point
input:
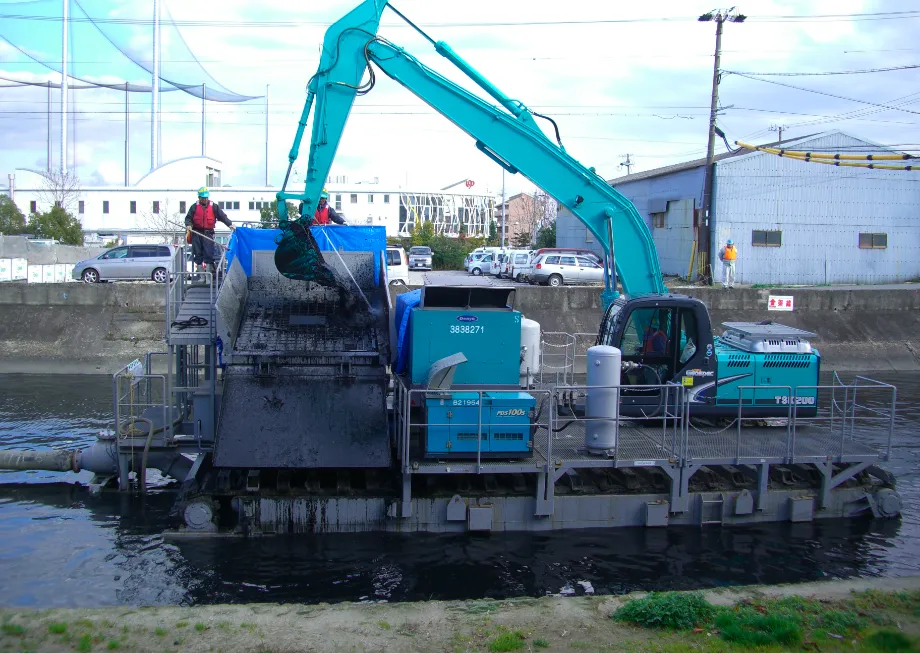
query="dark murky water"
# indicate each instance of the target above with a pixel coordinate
(60, 547)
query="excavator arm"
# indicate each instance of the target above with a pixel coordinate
(508, 135)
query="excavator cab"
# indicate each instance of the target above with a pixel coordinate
(664, 339)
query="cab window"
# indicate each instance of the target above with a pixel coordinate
(393, 258)
(647, 333)
(117, 253)
(688, 335)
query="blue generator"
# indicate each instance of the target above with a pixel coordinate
(504, 421)
(475, 321)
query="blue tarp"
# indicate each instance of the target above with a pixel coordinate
(347, 239)
(404, 305)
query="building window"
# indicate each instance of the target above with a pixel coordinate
(873, 241)
(252, 205)
(767, 238)
(236, 206)
(658, 220)
(33, 207)
(182, 206)
(338, 202)
(354, 198)
(370, 198)
(80, 206)
(133, 206)
(156, 206)
(105, 206)
(386, 199)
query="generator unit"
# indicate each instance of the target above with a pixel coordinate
(477, 321)
(501, 423)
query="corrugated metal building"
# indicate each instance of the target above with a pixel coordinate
(793, 222)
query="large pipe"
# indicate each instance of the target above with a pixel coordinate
(100, 458)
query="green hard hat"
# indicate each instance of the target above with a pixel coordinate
(324, 195)
(203, 192)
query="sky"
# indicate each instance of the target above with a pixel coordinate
(619, 79)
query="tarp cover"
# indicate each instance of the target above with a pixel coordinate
(348, 239)
(404, 305)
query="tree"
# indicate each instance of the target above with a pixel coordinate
(493, 239)
(546, 237)
(167, 224)
(60, 189)
(422, 233)
(11, 219)
(539, 211)
(56, 224)
(522, 240)
(268, 215)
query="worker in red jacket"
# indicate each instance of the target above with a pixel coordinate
(199, 224)
(324, 213)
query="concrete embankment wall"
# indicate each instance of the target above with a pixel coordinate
(79, 328)
(99, 328)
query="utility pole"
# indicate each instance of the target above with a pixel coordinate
(266, 135)
(204, 125)
(127, 140)
(64, 86)
(49, 128)
(628, 164)
(705, 226)
(778, 128)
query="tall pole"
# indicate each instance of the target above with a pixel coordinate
(266, 135)
(127, 141)
(49, 127)
(64, 87)
(703, 245)
(155, 89)
(204, 125)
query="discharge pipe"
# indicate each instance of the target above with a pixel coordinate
(100, 458)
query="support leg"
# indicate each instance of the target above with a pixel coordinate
(681, 502)
(544, 506)
(405, 510)
(763, 482)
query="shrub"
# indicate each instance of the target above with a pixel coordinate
(887, 640)
(667, 610)
(507, 642)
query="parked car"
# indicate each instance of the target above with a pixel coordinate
(152, 262)
(481, 265)
(420, 257)
(480, 252)
(515, 258)
(559, 269)
(498, 263)
(397, 266)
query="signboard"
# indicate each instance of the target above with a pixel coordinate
(48, 273)
(35, 274)
(6, 270)
(20, 269)
(780, 303)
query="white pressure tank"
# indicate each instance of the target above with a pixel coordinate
(603, 370)
(530, 346)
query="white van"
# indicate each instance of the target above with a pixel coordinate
(517, 265)
(397, 266)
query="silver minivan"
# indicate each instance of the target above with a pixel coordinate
(151, 262)
(559, 269)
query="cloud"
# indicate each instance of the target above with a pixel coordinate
(641, 88)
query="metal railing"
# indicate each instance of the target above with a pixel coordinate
(640, 435)
(138, 396)
(557, 357)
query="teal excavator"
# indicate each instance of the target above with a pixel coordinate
(761, 369)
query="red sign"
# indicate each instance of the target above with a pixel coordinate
(470, 183)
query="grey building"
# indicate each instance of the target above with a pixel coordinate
(793, 222)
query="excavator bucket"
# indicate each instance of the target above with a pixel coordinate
(298, 257)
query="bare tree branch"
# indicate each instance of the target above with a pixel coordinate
(167, 224)
(60, 189)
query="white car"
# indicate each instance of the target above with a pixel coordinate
(514, 263)
(480, 264)
(397, 266)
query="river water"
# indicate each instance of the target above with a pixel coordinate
(61, 547)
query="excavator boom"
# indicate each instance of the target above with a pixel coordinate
(508, 134)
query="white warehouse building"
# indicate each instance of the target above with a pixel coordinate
(154, 208)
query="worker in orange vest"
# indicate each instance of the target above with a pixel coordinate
(199, 225)
(728, 255)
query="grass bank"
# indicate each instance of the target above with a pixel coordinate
(847, 616)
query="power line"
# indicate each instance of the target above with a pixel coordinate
(830, 95)
(831, 72)
(891, 15)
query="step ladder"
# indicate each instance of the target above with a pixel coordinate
(711, 511)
